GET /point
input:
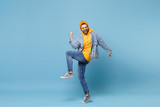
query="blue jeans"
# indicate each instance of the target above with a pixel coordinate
(82, 62)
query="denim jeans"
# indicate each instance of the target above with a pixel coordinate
(82, 62)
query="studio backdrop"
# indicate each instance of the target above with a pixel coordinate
(34, 38)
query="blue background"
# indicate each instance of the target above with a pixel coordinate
(34, 37)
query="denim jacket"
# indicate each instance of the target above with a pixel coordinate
(95, 41)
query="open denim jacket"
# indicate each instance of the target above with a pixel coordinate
(95, 41)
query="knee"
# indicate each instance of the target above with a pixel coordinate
(68, 52)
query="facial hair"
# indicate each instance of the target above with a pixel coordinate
(86, 31)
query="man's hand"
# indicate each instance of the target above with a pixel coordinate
(70, 35)
(110, 54)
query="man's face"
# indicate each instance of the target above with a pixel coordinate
(84, 29)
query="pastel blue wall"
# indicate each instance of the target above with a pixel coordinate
(34, 37)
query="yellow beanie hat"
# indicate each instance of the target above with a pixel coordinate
(82, 23)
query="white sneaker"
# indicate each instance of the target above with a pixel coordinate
(86, 99)
(67, 75)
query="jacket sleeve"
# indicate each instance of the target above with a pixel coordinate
(103, 44)
(74, 43)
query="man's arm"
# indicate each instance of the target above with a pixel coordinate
(104, 45)
(73, 43)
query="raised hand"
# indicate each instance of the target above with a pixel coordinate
(70, 35)
(110, 54)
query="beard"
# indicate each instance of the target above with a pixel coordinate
(85, 31)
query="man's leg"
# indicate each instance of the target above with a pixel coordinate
(77, 55)
(81, 73)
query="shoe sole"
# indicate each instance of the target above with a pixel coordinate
(65, 77)
(87, 100)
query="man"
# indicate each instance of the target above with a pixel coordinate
(87, 45)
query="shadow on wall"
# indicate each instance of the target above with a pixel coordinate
(99, 76)
(109, 76)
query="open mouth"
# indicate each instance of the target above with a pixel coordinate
(85, 31)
